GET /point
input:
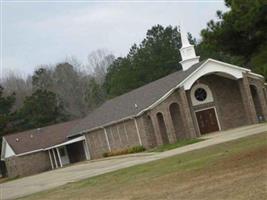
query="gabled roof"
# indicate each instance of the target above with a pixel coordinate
(38, 139)
(130, 104)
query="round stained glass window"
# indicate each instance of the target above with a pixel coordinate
(200, 94)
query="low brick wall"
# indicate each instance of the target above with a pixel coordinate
(28, 164)
(120, 136)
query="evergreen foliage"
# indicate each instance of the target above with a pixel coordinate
(239, 36)
(156, 56)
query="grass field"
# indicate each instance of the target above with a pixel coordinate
(233, 170)
(180, 143)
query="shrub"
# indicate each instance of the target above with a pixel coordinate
(105, 154)
(134, 149)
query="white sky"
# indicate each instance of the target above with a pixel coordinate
(35, 33)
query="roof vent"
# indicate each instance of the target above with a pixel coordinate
(136, 106)
(31, 136)
(17, 139)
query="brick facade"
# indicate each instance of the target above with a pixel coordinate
(232, 100)
(227, 101)
(175, 116)
(261, 105)
(118, 136)
(28, 164)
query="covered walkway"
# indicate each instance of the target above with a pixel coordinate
(72, 151)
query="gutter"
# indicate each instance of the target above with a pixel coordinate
(43, 149)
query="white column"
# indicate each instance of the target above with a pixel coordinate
(86, 149)
(50, 158)
(106, 136)
(53, 150)
(138, 133)
(59, 158)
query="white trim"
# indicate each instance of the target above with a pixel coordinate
(208, 99)
(30, 152)
(50, 158)
(138, 133)
(78, 139)
(55, 159)
(81, 138)
(216, 114)
(213, 66)
(59, 157)
(86, 149)
(229, 65)
(180, 84)
(106, 136)
(6, 149)
(257, 75)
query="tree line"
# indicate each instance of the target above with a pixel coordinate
(70, 90)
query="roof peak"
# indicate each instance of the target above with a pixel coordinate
(187, 51)
(184, 38)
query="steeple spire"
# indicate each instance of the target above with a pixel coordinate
(187, 51)
(184, 39)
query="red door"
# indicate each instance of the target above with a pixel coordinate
(207, 121)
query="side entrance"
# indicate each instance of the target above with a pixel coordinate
(207, 121)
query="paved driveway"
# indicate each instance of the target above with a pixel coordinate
(51, 179)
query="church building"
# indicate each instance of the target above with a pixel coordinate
(203, 97)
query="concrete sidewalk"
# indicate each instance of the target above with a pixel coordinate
(48, 180)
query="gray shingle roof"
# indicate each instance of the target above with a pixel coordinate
(36, 139)
(124, 106)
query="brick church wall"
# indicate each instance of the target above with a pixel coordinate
(28, 164)
(261, 108)
(164, 108)
(96, 143)
(227, 100)
(120, 136)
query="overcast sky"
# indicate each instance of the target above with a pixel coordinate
(36, 33)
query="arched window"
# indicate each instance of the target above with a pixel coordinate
(177, 120)
(256, 101)
(201, 94)
(150, 131)
(162, 128)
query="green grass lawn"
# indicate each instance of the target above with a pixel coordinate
(232, 170)
(180, 143)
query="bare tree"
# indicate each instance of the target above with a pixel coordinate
(98, 62)
(15, 83)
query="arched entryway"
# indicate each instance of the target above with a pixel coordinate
(257, 104)
(162, 128)
(150, 131)
(177, 120)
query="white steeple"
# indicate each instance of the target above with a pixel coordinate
(187, 52)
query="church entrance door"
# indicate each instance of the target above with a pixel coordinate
(207, 121)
